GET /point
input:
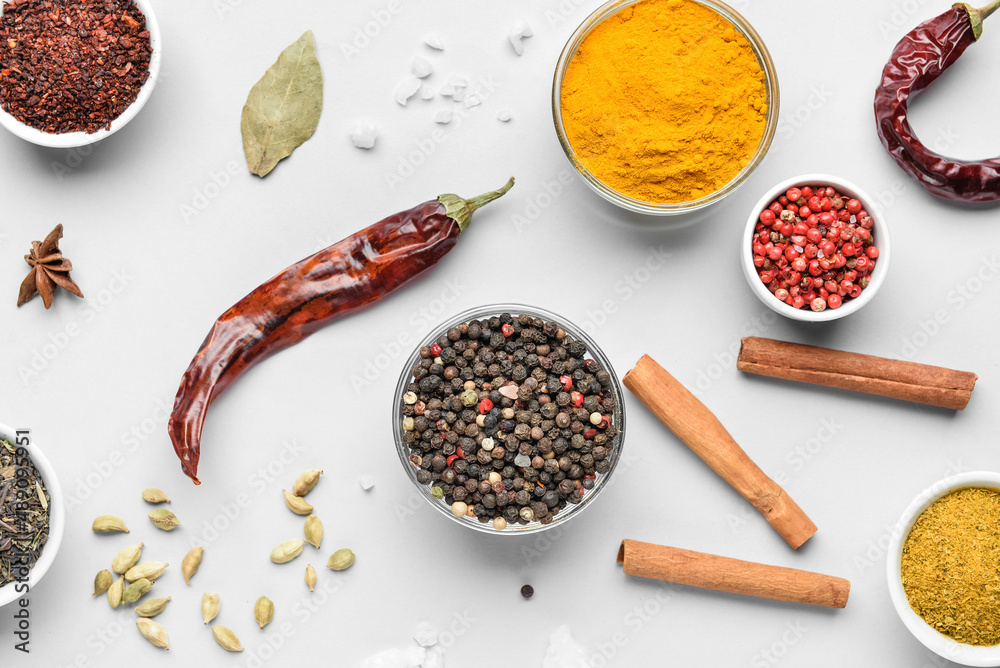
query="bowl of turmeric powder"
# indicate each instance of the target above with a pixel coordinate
(665, 106)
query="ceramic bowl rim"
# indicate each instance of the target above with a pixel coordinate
(78, 139)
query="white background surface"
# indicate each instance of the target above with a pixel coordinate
(156, 274)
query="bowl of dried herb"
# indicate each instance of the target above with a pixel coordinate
(942, 565)
(32, 514)
(77, 73)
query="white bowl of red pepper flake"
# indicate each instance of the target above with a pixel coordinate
(75, 73)
(815, 248)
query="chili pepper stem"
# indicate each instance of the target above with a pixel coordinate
(977, 16)
(461, 210)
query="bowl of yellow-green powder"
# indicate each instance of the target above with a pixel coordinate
(943, 568)
(665, 106)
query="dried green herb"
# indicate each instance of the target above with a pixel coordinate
(951, 566)
(283, 108)
(24, 514)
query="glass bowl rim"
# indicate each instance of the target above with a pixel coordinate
(593, 350)
(596, 18)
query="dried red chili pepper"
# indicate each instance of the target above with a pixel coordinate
(309, 295)
(917, 61)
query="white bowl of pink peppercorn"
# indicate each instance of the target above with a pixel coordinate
(824, 265)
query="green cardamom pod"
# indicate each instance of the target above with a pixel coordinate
(153, 495)
(152, 607)
(210, 605)
(151, 570)
(115, 593)
(310, 577)
(127, 558)
(164, 519)
(305, 482)
(341, 560)
(314, 531)
(263, 611)
(103, 582)
(191, 563)
(297, 504)
(135, 591)
(152, 631)
(109, 524)
(226, 639)
(287, 551)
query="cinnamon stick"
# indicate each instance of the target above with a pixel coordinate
(909, 381)
(694, 424)
(709, 571)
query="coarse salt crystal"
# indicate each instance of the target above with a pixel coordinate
(509, 391)
(505, 115)
(444, 116)
(447, 90)
(415, 657)
(426, 92)
(421, 68)
(367, 482)
(564, 651)
(390, 658)
(407, 89)
(473, 101)
(364, 135)
(434, 41)
(522, 460)
(518, 33)
(458, 95)
(458, 81)
(434, 658)
(425, 635)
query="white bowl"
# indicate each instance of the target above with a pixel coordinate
(942, 645)
(880, 231)
(77, 139)
(57, 517)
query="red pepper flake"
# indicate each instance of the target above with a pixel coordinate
(567, 382)
(576, 399)
(460, 452)
(590, 434)
(507, 330)
(435, 350)
(452, 458)
(74, 69)
(485, 406)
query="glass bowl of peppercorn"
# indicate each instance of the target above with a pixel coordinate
(74, 75)
(508, 419)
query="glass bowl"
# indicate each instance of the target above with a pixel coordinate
(78, 139)
(57, 518)
(773, 99)
(880, 231)
(945, 647)
(593, 351)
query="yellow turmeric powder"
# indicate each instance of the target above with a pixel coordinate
(664, 101)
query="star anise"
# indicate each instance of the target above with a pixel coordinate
(49, 270)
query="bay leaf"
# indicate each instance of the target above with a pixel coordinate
(283, 108)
